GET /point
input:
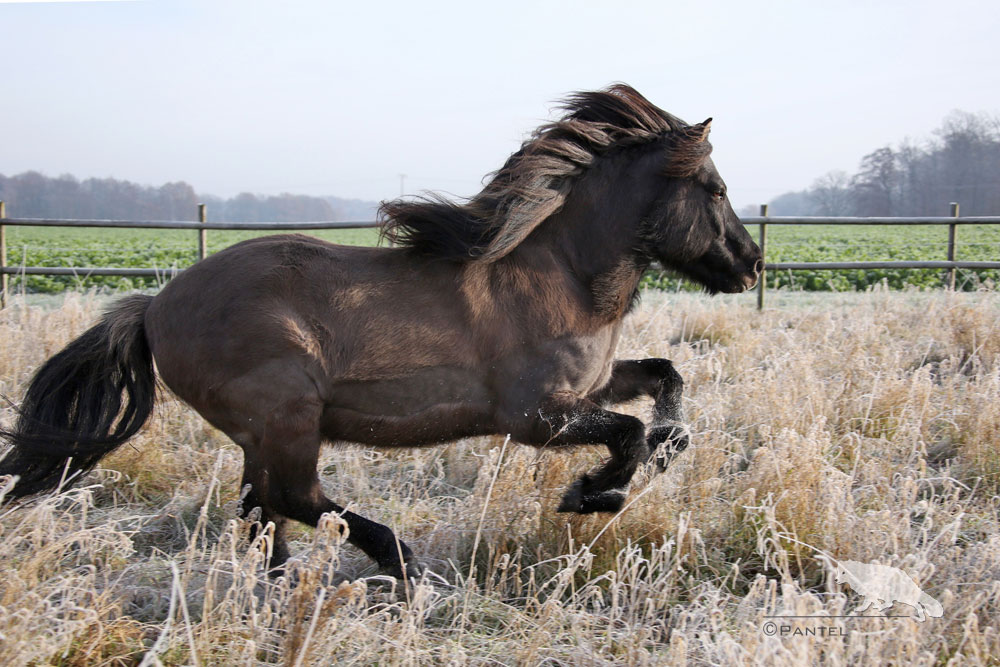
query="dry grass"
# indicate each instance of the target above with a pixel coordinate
(866, 426)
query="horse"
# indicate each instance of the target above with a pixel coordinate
(498, 314)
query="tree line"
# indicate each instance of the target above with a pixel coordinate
(961, 163)
(35, 195)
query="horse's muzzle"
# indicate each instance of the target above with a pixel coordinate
(750, 279)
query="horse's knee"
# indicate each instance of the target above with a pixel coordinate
(631, 439)
(664, 374)
(627, 444)
(669, 389)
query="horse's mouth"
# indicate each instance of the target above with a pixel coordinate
(718, 278)
(744, 283)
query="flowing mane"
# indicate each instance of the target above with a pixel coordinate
(535, 181)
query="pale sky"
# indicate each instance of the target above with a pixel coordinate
(323, 98)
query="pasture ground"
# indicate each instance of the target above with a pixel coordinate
(863, 425)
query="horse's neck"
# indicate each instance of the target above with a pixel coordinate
(591, 240)
(595, 252)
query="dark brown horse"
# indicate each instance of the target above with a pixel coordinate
(497, 316)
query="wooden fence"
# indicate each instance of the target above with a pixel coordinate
(762, 221)
(950, 263)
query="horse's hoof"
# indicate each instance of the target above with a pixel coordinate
(414, 570)
(665, 442)
(578, 499)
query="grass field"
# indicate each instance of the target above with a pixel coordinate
(829, 243)
(864, 425)
(126, 248)
(840, 243)
(166, 249)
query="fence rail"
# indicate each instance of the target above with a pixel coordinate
(953, 221)
(180, 224)
(762, 221)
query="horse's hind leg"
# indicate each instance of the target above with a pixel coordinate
(285, 469)
(254, 497)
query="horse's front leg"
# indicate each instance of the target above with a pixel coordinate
(565, 419)
(667, 435)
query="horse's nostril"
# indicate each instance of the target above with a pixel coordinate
(758, 267)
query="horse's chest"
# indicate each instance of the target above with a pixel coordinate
(578, 364)
(593, 367)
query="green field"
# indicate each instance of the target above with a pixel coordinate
(167, 249)
(840, 243)
(125, 248)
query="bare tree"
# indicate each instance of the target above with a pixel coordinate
(961, 164)
(875, 185)
(831, 194)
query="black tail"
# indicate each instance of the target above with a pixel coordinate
(73, 412)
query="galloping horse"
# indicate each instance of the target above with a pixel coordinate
(497, 315)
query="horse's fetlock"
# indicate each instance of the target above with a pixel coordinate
(665, 441)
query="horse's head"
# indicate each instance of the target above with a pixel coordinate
(692, 228)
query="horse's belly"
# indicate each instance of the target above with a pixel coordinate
(429, 406)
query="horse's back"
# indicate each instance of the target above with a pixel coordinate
(332, 312)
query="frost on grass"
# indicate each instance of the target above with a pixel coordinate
(865, 427)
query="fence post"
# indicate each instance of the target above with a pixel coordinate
(952, 228)
(761, 286)
(202, 234)
(4, 278)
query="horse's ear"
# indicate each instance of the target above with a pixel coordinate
(700, 131)
(690, 150)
